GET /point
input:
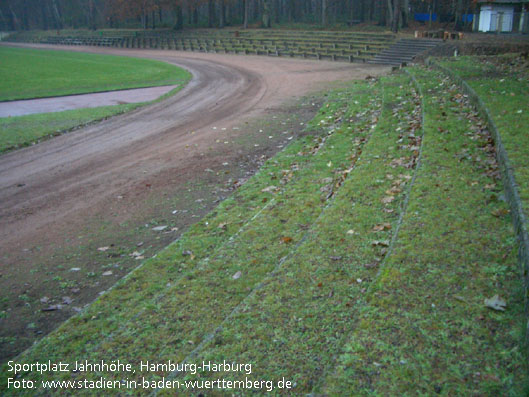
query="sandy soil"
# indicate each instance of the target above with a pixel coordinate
(53, 192)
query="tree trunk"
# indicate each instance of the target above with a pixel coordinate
(246, 7)
(179, 22)
(57, 14)
(5, 22)
(406, 13)
(43, 13)
(266, 14)
(25, 20)
(211, 13)
(459, 15)
(324, 12)
(91, 15)
(396, 16)
(222, 14)
(390, 13)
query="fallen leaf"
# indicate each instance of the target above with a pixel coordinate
(52, 308)
(496, 303)
(103, 249)
(381, 243)
(44, 299)
(159, 228)
(393, 191)
(222, 225)
(500, 212)
(269, 189)
(286, 240)
(67, 300)
(107, 273)
(237, 275)
(381, 227)
(388, 199)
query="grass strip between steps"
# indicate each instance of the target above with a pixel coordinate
(426, 329)
(504, 92)
(294, 325)
(154, 298)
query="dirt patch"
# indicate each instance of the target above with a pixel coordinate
(81, 210)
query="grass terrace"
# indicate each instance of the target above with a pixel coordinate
(374, 256)
(502, 83)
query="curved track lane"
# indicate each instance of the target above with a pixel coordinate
(56, 195)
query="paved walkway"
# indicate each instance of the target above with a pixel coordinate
(58, 104)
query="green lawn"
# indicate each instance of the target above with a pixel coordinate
(17, 132)
(356, 262)
(31, 73)
(27, 73)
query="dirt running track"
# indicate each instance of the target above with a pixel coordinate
(59, 184)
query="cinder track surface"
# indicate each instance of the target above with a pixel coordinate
(51, 191)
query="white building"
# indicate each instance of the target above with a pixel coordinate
(502, 15)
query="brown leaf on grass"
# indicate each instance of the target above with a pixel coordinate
(398, 162)
(500, 212)
(286, 240)
(382, 227)
(388, 199)
(393, 191)
(222, 225)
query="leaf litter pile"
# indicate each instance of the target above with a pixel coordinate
(373, 256)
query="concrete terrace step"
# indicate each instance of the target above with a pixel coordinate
(404, 50)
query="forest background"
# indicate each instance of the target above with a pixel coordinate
(179, 14)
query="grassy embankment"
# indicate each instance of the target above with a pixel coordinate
(29, 73)
(502, 83)
(426, 323)
(355, 262)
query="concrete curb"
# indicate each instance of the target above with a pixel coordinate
(509, 183)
